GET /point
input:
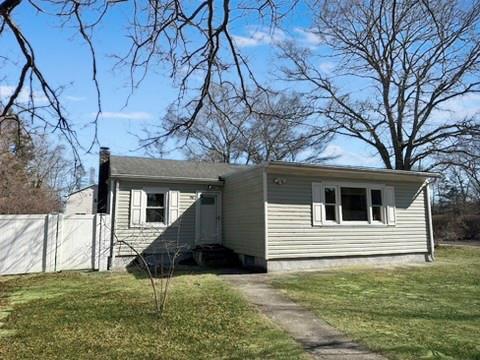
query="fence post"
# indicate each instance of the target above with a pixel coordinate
(97, 236)
(58, 247)
(102, 239)
(50, 242)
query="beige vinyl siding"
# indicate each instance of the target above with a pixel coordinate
(243, 213)
(152, 240)
(291, 234)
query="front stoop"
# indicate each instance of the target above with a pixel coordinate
(214, 255)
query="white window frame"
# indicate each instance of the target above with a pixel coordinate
(382, 207)
(155, 190)
(338, 208)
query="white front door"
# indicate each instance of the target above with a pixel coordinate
(209, 218)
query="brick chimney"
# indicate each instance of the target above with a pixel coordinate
(103, 175)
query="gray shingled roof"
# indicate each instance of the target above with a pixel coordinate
(160, 168)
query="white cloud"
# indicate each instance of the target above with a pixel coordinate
(345, 157)
(7, 91)
(260, 37)
(75, 98)
(308, 37)
(458, 108)
(326, 67)
(127, 115)
(263, 36)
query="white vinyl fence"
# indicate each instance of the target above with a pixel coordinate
(46, 243)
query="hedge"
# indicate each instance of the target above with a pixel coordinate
(452, 227)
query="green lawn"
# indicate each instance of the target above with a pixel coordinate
(108, 316)
(424, 312)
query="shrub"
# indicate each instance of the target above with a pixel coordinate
(452, 227)
(444, 228)
(471, 227)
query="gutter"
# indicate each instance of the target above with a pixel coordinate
(350, 169)
(166, 178)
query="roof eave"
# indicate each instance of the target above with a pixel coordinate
(166, 178)
(344, 170)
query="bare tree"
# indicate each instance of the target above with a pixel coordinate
(273, 127)
(159, 274)
(397, 63)
(467, 166)
(455, 190)
(190, 40)
(51, 166)
(471, 166)
(34, 173)
(457, 195)
(219, 131)
(281, 129)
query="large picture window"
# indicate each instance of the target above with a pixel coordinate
(354, 204)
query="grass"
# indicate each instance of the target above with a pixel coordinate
(424, 312)
(108, 316)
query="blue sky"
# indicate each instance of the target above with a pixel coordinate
(65, 61)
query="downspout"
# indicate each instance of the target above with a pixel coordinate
(429, 219)
(265, 212)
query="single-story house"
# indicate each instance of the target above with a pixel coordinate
(276, 215)
(82, 201)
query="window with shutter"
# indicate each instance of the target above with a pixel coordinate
(352, 203)
(390, 205)
(136, 207)
(150, 207)
(174, 204)
(317, 204)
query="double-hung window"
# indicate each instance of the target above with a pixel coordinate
(330, 194)
(350, 203)
(155, 207)
(377, 205)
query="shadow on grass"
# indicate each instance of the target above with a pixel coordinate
(83, 316)
(185, 267)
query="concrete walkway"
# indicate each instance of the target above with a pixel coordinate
(318, 338)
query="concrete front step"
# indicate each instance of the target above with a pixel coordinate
(214, 256)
